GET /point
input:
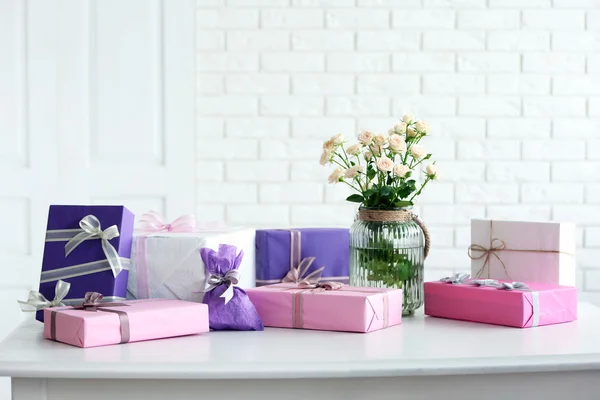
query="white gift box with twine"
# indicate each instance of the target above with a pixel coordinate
(523, 251)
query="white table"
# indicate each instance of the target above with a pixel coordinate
(425, 358)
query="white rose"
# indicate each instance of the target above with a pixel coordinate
(365, 137)
(380, 139)
(391, 131)
(397, 143)
(432, 172)
(401, 170)
(336, 175)
(368, 155)
(431, 169)
(329, 145)
(337, 139)
(325, 157)
(354, 171)
(376, 149)
(354, 149)
(423, 127)
(400, 128)
(417, 151)
(410, 132)
(385, 164)
(407, 119)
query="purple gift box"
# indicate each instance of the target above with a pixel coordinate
(280, 251)
(87, 267)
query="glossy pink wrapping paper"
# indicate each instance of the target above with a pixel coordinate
(349, 309)
(557, 304)
(535, 251)
(148, 319)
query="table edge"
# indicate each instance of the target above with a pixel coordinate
(318, 370)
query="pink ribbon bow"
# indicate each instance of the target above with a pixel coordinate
(321, 286)
(296, 275)
(154, 222)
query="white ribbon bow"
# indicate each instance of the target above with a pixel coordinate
(91, 230)
(37, 301)
(456, 278)
(231, 278)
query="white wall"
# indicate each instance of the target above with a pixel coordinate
(512, 89)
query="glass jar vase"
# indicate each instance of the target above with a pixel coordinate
(388, 249)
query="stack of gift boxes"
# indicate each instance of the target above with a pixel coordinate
(102, 283)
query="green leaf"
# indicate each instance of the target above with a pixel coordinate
(368, 193)
(355, 198)
(386, 191)
(371, 173)
(403, 203)
(411, 182)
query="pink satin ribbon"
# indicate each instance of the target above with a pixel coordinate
(154, 222)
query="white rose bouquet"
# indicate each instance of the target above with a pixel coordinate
(381, 167)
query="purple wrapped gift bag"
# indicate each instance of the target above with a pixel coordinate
(87, 249)
(229, 307)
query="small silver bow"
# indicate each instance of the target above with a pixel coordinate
(92, 229)
(500, 285)
(456, 278)
(231, 278)
(37, 301)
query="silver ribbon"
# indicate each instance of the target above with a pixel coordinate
(456, 278)
(231, 278)
(93, 230)
(500, 285)
(37, 301)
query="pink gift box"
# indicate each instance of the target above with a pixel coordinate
(130, 321)
(351, 309)
(523, 251)
(543, 304)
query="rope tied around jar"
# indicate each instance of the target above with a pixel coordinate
(396, 216)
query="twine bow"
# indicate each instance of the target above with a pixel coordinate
(230, 278)
(296, 275)
(91, 230)
(486, 253)
(37, 301)
(456, 278)
(154, 222)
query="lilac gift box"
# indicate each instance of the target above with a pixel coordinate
(86, 268)
(280, 250)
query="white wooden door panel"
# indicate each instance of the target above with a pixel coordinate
(96, 107)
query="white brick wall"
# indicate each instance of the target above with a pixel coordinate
(511, 88)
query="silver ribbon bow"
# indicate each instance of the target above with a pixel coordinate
(456, 278)
(37, 301)
(93, 230)
(500, 285)
(231, 278)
